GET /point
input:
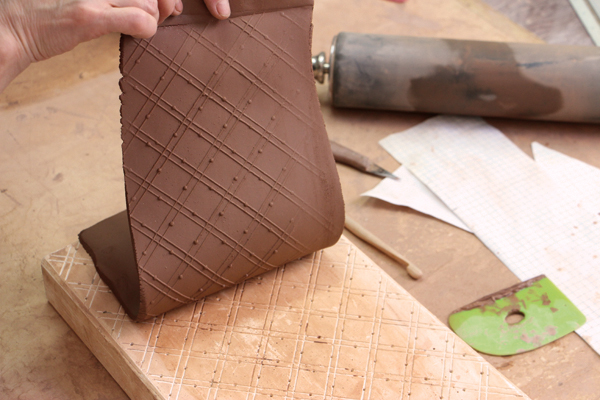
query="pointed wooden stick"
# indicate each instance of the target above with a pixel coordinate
(374, 241)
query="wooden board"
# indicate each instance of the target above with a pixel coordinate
(332, 325)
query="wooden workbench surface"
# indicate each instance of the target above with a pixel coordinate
(60, 160)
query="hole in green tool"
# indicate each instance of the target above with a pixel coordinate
(514, 317)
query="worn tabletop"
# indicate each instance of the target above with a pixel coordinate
(60, 161)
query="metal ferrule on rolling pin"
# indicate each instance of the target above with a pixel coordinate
(514, 80)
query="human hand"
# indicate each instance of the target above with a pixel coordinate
(34, 30)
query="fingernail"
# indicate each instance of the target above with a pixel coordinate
(179, 7)
(223, 9)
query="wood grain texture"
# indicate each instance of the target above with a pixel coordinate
(331, 325)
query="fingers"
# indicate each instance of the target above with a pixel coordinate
(130, 21)
(159, 9)
(166, 8)
(149, 6)
(134, 17)
(178, 7)
(218, 8)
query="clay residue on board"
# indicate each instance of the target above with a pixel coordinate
(228, 169)
(486, 80)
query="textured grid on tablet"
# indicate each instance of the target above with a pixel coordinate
(329, 326)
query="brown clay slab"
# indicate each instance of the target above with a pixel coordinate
(228, 169)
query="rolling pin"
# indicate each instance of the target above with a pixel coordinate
(466, 77)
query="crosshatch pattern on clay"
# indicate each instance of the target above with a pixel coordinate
(228, 171)
(329, 326)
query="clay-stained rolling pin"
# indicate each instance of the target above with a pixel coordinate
(374, 241)
(467, 77)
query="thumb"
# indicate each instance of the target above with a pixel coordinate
(218, 8)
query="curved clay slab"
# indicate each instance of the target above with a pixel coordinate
(228, 169)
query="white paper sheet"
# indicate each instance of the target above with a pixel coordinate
(577, 177)
(408, 191)
(535, 224)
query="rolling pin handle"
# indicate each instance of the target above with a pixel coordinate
(320, 67)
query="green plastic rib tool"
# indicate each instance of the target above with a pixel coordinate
(517, 319)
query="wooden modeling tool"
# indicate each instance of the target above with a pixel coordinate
(351, 158)
(374, 241)
(520, 318)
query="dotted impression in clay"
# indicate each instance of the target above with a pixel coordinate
(228, 169)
